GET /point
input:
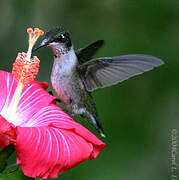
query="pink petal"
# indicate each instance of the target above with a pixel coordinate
(53, 115)
(47, 151)
(7, 133)
(33, 98)
(8, 86)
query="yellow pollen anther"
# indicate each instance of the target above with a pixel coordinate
(41, 33)
(29, 30)
(33, 36)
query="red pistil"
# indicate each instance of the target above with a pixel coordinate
(24, 70)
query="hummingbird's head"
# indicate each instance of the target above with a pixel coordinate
(57, 39)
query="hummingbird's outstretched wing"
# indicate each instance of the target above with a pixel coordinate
(86, 53)
(103, 72)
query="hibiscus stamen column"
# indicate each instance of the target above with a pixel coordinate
(25, 70)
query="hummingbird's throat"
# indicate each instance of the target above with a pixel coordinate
(25, 69)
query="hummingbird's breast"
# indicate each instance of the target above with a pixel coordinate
(66, 81)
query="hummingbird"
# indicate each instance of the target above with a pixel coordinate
(75, 74)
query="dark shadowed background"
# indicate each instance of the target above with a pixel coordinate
(139, 114)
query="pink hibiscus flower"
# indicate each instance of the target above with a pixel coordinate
(47, 141)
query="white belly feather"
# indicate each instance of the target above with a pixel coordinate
(62, 76)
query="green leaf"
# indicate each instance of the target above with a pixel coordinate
(4, 155)
(14, 172)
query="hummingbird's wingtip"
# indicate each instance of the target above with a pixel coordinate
(101, 132)
(103, 135)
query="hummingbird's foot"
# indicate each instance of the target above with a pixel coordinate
(57, 100)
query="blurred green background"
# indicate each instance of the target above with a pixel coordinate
(138, 115)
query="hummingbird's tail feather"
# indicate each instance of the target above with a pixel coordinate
(94, 122)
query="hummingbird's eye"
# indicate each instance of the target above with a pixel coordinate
(62, 38)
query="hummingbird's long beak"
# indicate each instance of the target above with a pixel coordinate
(42, 44)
